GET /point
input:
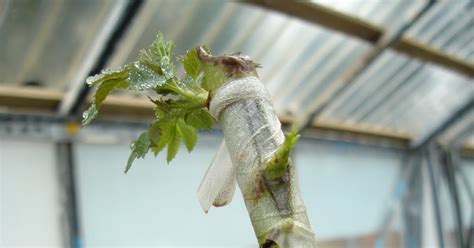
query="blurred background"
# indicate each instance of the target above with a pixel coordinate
(382, 88)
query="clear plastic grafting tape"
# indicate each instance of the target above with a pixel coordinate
(252, 133)
(218, 185)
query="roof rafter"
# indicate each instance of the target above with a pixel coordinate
(46, 100)
(366, 31)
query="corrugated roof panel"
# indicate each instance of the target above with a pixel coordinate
(333, 57)
(186, 23)
(461, 132)
(297, 56)
(367, 85)
(402, 93)
(302, 63)
(387, 14)
(449, 26)
(44, 42)
(183, 21)
(433, 104)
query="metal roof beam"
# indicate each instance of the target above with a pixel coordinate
(364, 30)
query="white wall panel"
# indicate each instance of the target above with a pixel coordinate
(155, 204)
(29, 200)
(346, 189)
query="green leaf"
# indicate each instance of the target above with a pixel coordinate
(156, 149)
(182, 107)
(154, 133)
(106, 87)
(153, 68)
(139, 148)
(160, 53)
(200, 118)
(192, 63)
(173, 145)
(188, 134)
(107, 81)
(159, 135)
(105, 75)
(89, 114)
(141, 77)
(214, 76)
(167, 127)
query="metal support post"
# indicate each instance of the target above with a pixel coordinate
(434, 183)
(66, 176)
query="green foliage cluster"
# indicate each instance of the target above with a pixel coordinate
(181, 108)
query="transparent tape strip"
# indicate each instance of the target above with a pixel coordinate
(218, 185)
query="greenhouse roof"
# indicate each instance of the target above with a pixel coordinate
(398, 67)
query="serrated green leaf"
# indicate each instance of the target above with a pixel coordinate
(130, 160)
(139, 149)
(173, 145)
(200, 118)
(167, 127)
(160, 53)
(140, 146)
(167, 67)
(158, 142)
(89, 114)
(106, 75)
(153, 69)
(214, 76)
(154, 133)
(105, 88)
(141, 77)
(194, 84)
(180, 113)
(156, 149)
(161, 109)
(192, 63)
(188, 134)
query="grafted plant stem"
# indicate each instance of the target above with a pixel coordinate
(253, 134)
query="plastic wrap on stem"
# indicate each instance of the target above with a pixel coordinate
(253, 133)
(218, 185)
